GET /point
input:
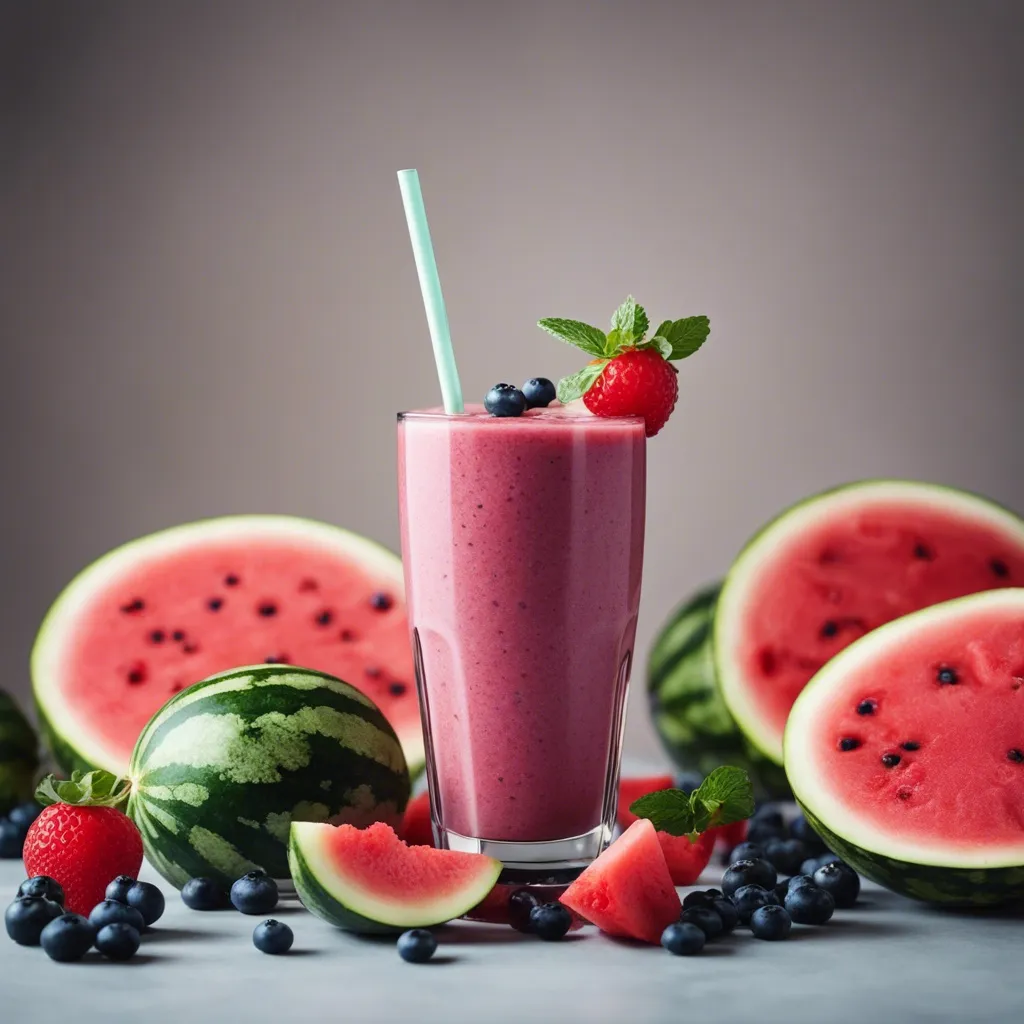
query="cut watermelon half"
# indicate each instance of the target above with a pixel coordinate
(368, 881)
(906, 752)
(628, 890)
(161, 613)
(837, 566)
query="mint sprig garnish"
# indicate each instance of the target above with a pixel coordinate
(674, 339)
(725, 796)
(84, 789)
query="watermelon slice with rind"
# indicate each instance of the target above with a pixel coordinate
(369, 882)
(157, 615)
(906, 752)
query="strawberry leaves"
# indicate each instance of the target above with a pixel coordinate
(674, 339)
(84, 789)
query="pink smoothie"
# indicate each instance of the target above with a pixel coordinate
(523, 541)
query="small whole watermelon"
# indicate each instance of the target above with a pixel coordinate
(19, 757)
(226, 766)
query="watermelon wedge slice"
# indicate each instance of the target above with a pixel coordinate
(161, 613)
(628, 890)
(906, 752)
(837, 566)
(368, 881)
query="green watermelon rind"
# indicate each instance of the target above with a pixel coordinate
(19, 755)
(788, 522)
(933, 878)
(273, 744)
(686, 706)
(67, 739)
(324, 893)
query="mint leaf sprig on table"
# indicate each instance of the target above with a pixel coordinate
(725, 796)
(673, 339)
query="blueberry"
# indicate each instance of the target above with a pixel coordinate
(761, 830)
(840, 881)
(148, 900)
(24, 814)
(727, 912)
(683, 939)
(254, 893)
(42, 885)
(800, 829)
(807, 904)
(809, 866)
(12, 839)
(539, 392)
(697, 898)
(203, 894)
(521, 905)
(67, 938)
(118, 941)
(715, 894)
(780, 890)
(746, 851)
(27, 916)
(770, 923)
(118, 888)
(272, 937)
(798, 880)
(785, 855)
(505, 400)
(416, 946)
(768, 813)
(550, 921)
(749, 898)
(113, 912)
(706, 919)
(748, 872)
(829, 858)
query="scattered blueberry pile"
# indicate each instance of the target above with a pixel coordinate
(752, 893)
(508, 400)
(14, 828)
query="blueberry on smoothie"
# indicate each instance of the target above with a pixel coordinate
(539, 392)
(505, 400)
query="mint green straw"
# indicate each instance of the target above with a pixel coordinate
(430, 286)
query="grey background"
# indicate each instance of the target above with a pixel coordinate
(208, 302)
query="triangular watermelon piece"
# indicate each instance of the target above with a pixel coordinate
(628, 890)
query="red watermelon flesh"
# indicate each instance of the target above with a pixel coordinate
(630, 790)
(921, 744)
(685, 859)
(841, 575)
(416, 828)
(170, 610)
(628, 890)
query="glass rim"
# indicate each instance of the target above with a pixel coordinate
(573, 418)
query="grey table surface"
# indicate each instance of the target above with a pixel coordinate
(888, 960)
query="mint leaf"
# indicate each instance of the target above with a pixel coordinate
(575, 386)
(575, 332)
(686, 335)
(725, 796)
(84, 789)
(630, 320)
(669, 810)
(663, 345)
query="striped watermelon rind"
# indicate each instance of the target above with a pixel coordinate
(223, 769)
(326, 891)
(19, 755)
(686, 704)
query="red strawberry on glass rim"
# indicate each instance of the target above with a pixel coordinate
(631, 374)
(81, 839)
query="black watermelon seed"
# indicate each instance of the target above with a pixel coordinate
(325, 618)
(178, 686)
(373, 672)
(276, 659)
(308, 584)
(267, 610)
(904, 794)
(830, 628)
(397, 689)
(190, 648)
(347, 635)
(381, 601)
(215, 604)
(134, 606)
(1015, 755)
(911, 745)
(848, 743)
(923, 552)
(231, 580)
(999, 568)
(948, 676)
(137, 674)
(178, 635)
(866, 707)
(891, 760)
(157, 636)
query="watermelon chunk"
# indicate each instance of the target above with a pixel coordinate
(416, 827)
(906, 752)
(157, 615)
(630, 790)
(837, 566)
(628, 890)
(368, 881)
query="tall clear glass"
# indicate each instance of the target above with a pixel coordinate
(522, 541)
